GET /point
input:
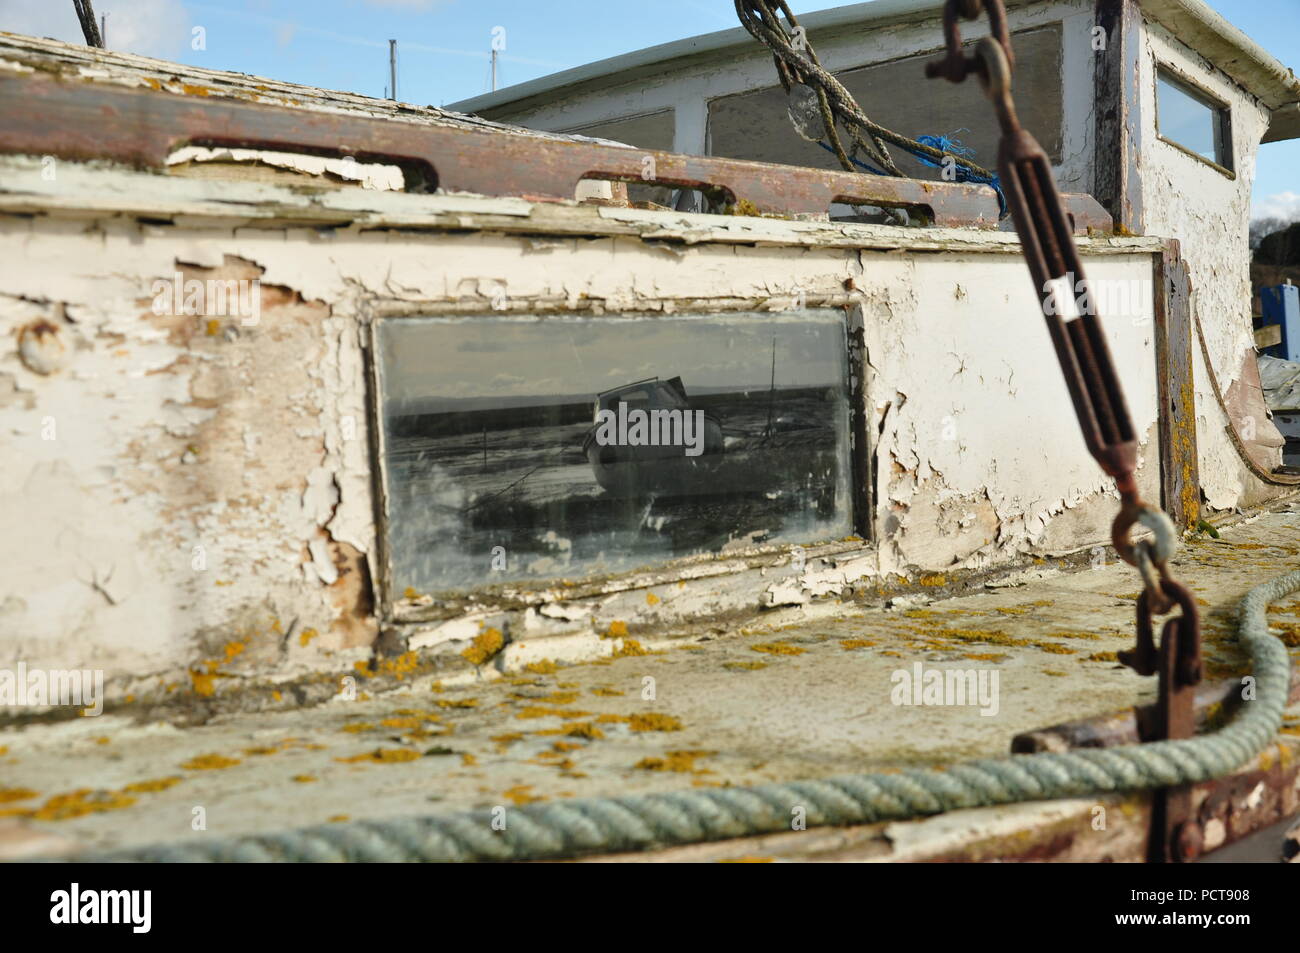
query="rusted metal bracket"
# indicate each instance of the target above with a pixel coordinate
(1212, 814)
(80, 120)
(1174, 837)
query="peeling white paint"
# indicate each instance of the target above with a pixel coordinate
(178, 483)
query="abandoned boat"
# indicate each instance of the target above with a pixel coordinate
(234, 531)
(646, 437)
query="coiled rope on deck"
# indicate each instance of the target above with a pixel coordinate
(642, 822)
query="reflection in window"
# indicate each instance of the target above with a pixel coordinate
(522, 448)
(1189, 118)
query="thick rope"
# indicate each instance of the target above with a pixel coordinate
(801, 66)
(608, 825)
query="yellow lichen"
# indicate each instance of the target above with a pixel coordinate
(544, 667)
(520, 795)
(561, 698)
(654, 721)
(157, 784)
(630, 648)
(382, 756)
(79, 803)
(681, 762)
(205, 683)
(856, 643)
(484, 647)
(400, 666)
(457, 703)
(1055, 649)
(778, 648)
(210, 762)
(542, 711)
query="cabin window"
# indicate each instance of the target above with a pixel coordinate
(755, 124)
(1193, 120)
(519, 449)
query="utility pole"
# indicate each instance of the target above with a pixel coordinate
(392, 69)
(103, 30)
(494, 69)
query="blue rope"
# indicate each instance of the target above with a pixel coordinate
(944, 144)
(858, 162)
(954, 146)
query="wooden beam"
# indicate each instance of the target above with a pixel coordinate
(1180, 483)
(1268, 335)
(1116, 184)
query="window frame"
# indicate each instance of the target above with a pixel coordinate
(395, 609)
(1222, 114)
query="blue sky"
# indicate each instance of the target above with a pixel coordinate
(443, 44)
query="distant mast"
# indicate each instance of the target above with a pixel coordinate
(771, 394)
(392, 70)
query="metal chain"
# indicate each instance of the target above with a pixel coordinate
(1047, 240)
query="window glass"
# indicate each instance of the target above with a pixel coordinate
(1191, 119)
(521, 448)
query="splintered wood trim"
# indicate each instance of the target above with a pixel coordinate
(1180, 482)
(95, 191)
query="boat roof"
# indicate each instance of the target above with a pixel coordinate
(1192, 21)
(623, 387)
(74, 61)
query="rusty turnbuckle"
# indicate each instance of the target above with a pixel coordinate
(1047, 240)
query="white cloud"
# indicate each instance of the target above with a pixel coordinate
(158, 28)
(284, 34)
(1284, 206)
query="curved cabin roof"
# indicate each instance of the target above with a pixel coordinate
(1192, 21)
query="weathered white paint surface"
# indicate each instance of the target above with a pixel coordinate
(1208, 212)
(1171, 193)
(186, 489)
(979, 451)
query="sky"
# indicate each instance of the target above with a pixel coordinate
(464, 359)
(443, 45)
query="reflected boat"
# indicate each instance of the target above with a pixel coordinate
(662, 468)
